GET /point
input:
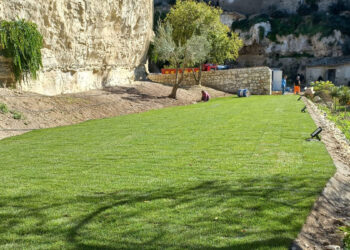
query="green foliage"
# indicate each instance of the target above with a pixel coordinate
(340, 118)
(323, 89)
(194, 50)
(191, 17)
(346, 230)
(344, 96)
(16, 115)
(3, 108)
(322, 85)
(21, 41)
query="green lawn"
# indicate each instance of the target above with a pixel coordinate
(229, 174)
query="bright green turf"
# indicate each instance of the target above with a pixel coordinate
(232, 173)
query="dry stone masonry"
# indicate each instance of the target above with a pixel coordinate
(258, 80)
(88, 44)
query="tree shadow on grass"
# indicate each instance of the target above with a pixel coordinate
(192, 199)
(184, 217)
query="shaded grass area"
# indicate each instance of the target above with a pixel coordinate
(229, 174)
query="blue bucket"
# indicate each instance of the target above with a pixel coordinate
(243, 93)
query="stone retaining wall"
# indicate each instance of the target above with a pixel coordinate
(258, 80)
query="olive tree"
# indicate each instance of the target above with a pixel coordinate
(180, 54)
(188, 17)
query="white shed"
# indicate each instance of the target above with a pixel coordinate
(335, 69)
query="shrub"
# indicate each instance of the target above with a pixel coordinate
(346, 230)
(21, 41)
(3, 108)
(16, 115)
(323, 89)
(335, 93)
(344, 97)
(322, 85)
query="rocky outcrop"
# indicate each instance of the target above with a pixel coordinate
(316, 45)
(290, 53)
(88, 44)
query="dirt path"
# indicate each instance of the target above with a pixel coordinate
(332, 209)
(44, 112)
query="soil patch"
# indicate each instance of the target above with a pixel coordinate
(332, 209)
(44, 111)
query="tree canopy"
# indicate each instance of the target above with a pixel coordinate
(192, 34)
(188, 17)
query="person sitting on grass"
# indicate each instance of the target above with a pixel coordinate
(205, 96)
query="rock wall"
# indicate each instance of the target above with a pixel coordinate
(88, 44)
(290, 53)
(258, 80)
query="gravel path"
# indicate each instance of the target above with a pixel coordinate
(332, 209)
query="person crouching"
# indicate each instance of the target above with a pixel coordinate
(205, 96)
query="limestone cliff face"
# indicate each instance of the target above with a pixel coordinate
(290, 53)
(88, 44)
(315, 45)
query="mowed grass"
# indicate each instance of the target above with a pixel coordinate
(228, 174)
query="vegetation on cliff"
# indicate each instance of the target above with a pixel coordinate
(306, 22)
(22, 42)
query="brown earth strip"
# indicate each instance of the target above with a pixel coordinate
(44, 111)
(332, 209)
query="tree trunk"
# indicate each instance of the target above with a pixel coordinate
(200, 75)
(174, 91)
(177, 82)
(199, 79)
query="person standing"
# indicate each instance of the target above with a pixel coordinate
(284, 84)
(297, 85)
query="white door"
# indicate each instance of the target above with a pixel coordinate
(277, 80)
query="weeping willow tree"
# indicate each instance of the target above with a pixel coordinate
(22, 42)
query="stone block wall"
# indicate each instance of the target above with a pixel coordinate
(258, 80)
